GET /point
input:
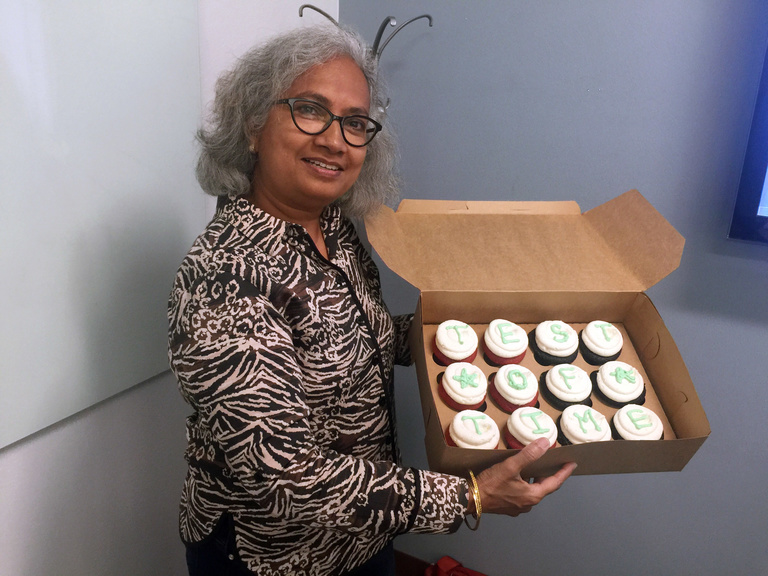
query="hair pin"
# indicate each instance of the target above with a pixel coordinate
(377, 47)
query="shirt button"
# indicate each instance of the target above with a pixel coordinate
(231, 556)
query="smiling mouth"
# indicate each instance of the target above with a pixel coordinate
(323, 165)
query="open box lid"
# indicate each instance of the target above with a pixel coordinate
(623, 245)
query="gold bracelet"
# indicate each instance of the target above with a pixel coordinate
(478, 507)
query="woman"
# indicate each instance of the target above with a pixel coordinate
(282, 344)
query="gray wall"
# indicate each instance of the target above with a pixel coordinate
(583, 100)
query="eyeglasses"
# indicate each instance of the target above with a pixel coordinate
(313, 118)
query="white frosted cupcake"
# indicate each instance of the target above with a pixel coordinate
(472, 429)
(463, 386)
(618, 384)
(601, 342)
(554, 342)
(564, 385)
(514, 386)
(582, 424)
(633, 422)
(505, 342)
(528, 424)
(455, 342)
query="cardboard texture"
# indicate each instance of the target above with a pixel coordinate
(528, 262)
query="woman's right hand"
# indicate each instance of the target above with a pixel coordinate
(504, 491)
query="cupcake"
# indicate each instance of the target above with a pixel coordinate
(633, 422)
(582, 424)
(513, 387)
(618, 384)
(564, 385)
(554, 342)
(504, 342)
(601, 342)
(455, 342)
(463, 386)
(472, 429)
(528, 424)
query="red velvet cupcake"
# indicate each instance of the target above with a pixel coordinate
(472, 429)
(455, 342)
(513, 387)
(528, 424)
(463, 386)
(504, 342)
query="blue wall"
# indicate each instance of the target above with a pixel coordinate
(583, 100)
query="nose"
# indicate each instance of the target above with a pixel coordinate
(332, 137)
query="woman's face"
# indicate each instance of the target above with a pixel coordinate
(302, 172)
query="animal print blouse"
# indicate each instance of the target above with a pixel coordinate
(287, 360)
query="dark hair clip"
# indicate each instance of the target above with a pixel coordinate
(377, 47)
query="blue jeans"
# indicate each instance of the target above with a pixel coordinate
(217, 556)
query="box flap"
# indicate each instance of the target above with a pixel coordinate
(622, 245)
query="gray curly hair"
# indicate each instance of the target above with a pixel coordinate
(245, 95)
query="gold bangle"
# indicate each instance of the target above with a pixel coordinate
(478, 507)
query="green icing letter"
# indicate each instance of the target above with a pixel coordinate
(567, 373)
(641, 421)
(533, 416)
(458, 328)
(517, 380)
(606, 333)
(587, 417)
(561, 334)
(474, 421)
(506, 332)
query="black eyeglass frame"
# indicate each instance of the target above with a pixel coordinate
(376, 126)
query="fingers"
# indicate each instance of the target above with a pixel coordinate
(527, 455)
(551, 483)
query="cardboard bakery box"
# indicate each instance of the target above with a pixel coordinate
(528, 262)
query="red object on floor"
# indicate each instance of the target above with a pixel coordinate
(447, 566)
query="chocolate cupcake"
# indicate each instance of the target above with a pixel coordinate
(634, 422)
(554, 342)
(618, 384)
(565, 385)
(600, 342)
(582, 424)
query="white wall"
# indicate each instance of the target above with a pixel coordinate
(583, 100)
(96, 158)
(97, 493)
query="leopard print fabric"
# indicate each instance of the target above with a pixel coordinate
(287, 361)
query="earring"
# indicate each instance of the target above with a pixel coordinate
(252, 148)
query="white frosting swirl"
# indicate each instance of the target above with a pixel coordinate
(516, 384)
(619, 381)
(569, 383)
(634, 422)
(455, 339)
(465, 383)
(557, 338)
(582, 424)
(473, 429)
(602, 338)
(528, 424)
(505, 339)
